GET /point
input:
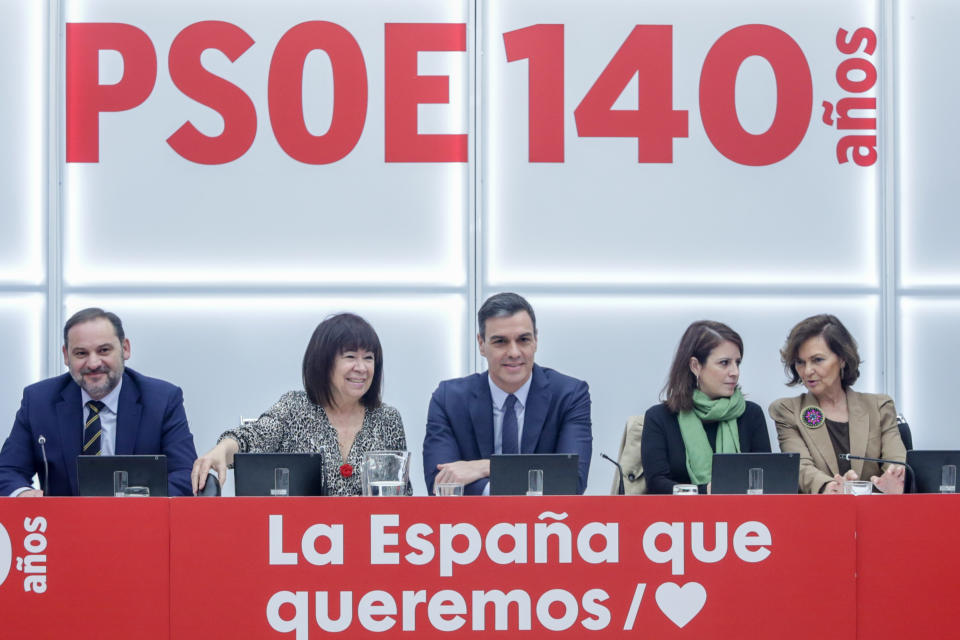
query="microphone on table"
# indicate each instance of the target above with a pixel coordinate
(913, 476)
(619, 468)
(42, 440)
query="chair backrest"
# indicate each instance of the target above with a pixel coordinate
(905, 434)
(629, 458)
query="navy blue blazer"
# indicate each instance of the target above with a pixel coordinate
(460, 422)
(150, 421)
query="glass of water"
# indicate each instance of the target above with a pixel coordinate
(535, 482)
(755, 481)
(948, 479)
(281, 482)
(385, 473)
(449, 489)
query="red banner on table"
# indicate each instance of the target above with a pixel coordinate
(907, 566)
(661, 567)
(84, 568)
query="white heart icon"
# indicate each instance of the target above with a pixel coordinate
(681, 604)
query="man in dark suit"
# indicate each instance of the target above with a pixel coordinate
(515, 406)
(97, 408)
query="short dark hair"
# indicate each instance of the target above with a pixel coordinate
(838, 339)
(501, 305)
(700, 338)
(93, 313)
(336, 334)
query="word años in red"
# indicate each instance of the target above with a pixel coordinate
(855, 75)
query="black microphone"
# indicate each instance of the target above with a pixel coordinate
(619, 468)
(913, 476)
(42, 440)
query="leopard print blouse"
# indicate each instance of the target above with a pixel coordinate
(295, 425)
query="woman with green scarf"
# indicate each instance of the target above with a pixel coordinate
(703, 412)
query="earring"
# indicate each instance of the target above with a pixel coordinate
(697, 382)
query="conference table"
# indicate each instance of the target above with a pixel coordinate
(429, 567)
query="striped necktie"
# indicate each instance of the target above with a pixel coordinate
(92, 429)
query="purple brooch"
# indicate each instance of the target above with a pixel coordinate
(812, 417)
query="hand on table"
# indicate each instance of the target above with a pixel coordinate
(892, 479)
(462, 471)
(216, 459)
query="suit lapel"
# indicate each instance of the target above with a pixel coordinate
(818, 436)
(859, 428)
(70, 424)
(481, 413)
(535, 413)
(128, 416)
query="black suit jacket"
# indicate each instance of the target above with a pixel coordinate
(664, 455)
(460, 422)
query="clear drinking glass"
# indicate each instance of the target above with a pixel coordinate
(281, 482)
(948, 479)
(857, 487)
(120, 484)
(449, 489)
(385, 473)
(535, 482)
(755, 481)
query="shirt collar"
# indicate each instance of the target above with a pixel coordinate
(500, 396)
(111, 400)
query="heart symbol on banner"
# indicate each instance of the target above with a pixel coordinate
(681, 604)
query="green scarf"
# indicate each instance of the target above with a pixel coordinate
(722, 410)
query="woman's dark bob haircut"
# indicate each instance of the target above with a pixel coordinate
(700, 338)
(837, 338)
(335, 335)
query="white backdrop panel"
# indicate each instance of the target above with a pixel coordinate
(23, 187)
(623, 348)
(266, 217)
(702, 218)
(236, 356)
(21, 324)
(928, 91)
(929, 351)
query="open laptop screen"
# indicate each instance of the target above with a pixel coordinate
(781, 472)
(255, 473)
(95, 474)
(509, 473)
(928, 468)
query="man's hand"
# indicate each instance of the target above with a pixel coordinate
(30, 493)
(462, 471)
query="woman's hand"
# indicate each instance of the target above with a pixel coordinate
(835, 486)
(892, 479)
(217, 459)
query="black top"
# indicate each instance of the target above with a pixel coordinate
(840, 439)
(664, 455)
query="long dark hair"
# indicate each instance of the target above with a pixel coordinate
(336, 334)
(698, 341)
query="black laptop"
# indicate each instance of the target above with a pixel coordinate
(95, 474)
(254, 473)
(509, 473)
(781, 472)
(928, 468)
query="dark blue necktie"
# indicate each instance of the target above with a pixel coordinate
(511, 439)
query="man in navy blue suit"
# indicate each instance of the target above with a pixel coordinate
(98, 408)
(515, 406)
